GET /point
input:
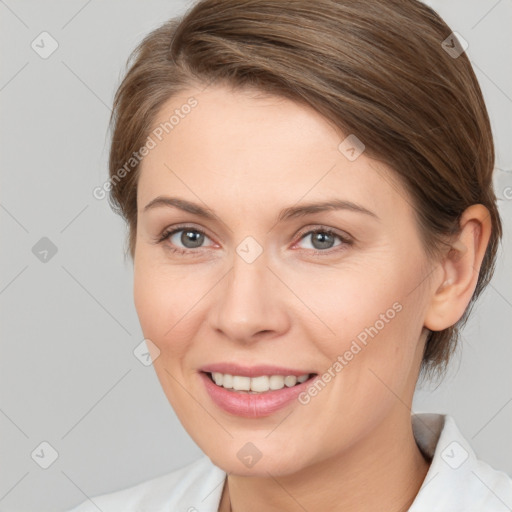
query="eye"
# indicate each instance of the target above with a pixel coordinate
(184, 239)
(323, 239)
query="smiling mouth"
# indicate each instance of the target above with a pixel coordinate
(257, 385)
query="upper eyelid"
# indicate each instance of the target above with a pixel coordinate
(334, 231)
(176, 229)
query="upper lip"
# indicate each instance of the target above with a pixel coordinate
(252, 371)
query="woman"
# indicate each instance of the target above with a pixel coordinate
(308, 188)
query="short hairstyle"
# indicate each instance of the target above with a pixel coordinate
(391, 73)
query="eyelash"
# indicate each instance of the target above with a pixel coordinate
(319, 229)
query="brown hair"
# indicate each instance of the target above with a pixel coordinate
(379, 70)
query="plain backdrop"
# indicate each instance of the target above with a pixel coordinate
(68, 374)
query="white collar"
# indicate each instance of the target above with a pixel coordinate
(456, 481)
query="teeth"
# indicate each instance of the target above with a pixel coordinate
(260, 384)
(225, 380)
(276, 382)
(290, 381)
(218, 379)
(241, 383)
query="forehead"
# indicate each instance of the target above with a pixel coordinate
(249, 149)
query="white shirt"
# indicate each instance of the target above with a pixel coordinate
(456, 480)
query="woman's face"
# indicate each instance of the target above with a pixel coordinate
(337, 292)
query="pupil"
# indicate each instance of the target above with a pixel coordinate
(321, 237)
(194, 237)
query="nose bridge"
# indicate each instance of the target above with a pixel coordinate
(247, 300)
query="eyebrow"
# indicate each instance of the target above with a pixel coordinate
(286, 214)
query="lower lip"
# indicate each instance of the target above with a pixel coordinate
(248, 405)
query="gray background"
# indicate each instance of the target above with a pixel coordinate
(68, 375)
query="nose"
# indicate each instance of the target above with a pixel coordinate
(250, 303)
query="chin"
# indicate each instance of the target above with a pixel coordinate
(253, 459)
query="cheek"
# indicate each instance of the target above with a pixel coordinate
(354, 302)
(168, 301)
(158, 302)
(163, 307)
(371, 322)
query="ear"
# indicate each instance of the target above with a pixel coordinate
(459, 269)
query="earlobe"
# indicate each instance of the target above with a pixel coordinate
(459, 270)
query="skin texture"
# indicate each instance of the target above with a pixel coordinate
(246, 157)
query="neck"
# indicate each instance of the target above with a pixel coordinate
(381, 472)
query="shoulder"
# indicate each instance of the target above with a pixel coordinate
(457, 481)
(196, 487)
